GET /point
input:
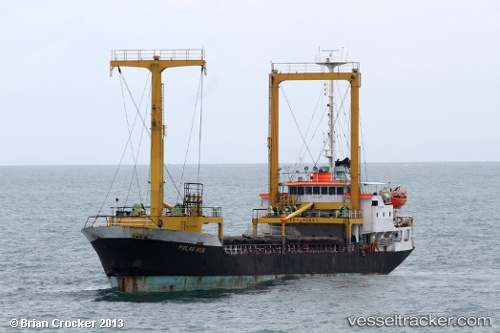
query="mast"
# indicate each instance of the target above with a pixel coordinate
(331, 130)
(329, 152)
(157, 61)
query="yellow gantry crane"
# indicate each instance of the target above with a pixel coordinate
(192, 219)
(275, 78)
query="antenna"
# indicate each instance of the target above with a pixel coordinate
(330, 63)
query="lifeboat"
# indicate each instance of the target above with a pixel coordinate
(398, 198)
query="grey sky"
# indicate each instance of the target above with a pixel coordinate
(430, 69)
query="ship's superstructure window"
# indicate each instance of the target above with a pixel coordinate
(316, 190)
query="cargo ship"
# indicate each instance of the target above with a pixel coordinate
(321, 221)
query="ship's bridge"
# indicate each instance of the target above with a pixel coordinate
(318, 191)
(311, 191)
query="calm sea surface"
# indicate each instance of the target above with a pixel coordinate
(50, 272)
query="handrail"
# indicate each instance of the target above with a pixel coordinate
(312, 67)
(337, 213)
(403, 221)
(167, 54)
(126, 213)
(249, 249)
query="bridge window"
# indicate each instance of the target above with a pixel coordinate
(331, 190)
(292, 190)
(308, 190)
(340, 190)
(316, 190)
(300, 190)
(324, 190)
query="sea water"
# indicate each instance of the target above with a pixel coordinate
(51, 278)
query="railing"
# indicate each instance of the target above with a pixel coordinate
(355, 214)
(269, 230)
(249, 249)
(320, 198)
(137, 216)
(134, 210)
(259, 213)
(108, 221)
(403, 221)
(311, 67)
(171, 54)
(334, 213)
(97, 221)
(386, 241)
(215, 211)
